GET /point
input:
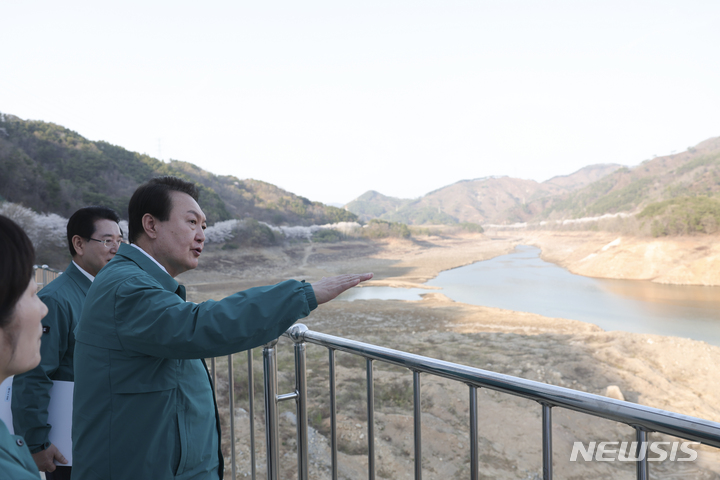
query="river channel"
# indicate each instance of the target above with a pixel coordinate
(522, 281)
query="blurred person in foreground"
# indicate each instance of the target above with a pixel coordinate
(144, 405)
(20, 334)
(93, 237)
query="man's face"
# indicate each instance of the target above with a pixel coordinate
(181, 238)
(96, 255)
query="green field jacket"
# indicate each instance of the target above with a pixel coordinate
(64, 299)
(143, 405)
(16, 463)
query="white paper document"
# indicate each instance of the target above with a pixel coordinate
(5, 400)
(59, 414)
(60, 417)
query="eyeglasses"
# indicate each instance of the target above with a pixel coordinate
(108, 242)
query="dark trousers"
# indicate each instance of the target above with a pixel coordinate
(60, 473)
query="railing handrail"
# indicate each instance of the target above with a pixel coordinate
(46, 267)
(635, 415)
(48, 274)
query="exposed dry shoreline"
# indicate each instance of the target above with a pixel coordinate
(663, 372)
(691, 260)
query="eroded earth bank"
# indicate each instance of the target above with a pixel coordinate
(664, 372)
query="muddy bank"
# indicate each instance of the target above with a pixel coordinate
(692, 260)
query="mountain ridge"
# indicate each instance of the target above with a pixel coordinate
(50, 168)
(480, 200)
(591, 191)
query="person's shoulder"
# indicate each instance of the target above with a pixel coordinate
(15, 459)
(118, 274)
(118, 270)
(64, 299)
(140, 279)
(58, 288)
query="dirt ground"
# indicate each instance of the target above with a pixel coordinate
(663, 372)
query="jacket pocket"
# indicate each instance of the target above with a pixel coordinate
(182, 443)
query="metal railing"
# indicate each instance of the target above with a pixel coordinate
(45, 275)
(641, 418)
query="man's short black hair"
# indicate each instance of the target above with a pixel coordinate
(17, 256)
(153, 197)
(82, 223)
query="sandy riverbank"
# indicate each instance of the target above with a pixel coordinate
(663, 372)
(691, 260)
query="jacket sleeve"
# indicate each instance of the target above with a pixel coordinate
(31, 390)
(153, 321)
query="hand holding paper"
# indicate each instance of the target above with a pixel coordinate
(48, 458)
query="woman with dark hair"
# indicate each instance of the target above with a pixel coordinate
(20, 333)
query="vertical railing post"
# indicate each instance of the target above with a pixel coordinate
(371, 420)
(296, 334)
(333, 415)
(44, 269)
(547, 441)
(642, 463)
(474, 460)
(251, 397)
(231, 394)
(271, 410)
(417, 425)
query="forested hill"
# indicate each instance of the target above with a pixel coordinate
(676, 193)
(483, 200)
(688, 174)
(52, 169)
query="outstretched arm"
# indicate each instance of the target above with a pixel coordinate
(168, 327)
(328, 288)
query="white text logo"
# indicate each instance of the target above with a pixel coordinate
(629, 451)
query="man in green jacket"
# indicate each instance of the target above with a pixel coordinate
(93, 238)
(144, 405)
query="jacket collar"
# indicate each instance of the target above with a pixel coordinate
(77, 276)
(150, 267)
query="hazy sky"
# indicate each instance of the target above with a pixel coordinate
(331, 99)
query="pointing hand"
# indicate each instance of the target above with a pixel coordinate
(328, 288)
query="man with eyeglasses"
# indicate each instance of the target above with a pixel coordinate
(94, 237)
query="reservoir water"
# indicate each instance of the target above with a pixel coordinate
(522, 281)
